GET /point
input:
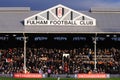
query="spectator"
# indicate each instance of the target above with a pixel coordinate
(49, 72)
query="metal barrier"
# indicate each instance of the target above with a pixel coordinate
(6, 75)
(115, 75)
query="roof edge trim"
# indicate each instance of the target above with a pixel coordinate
(9, 9)
(101, 9)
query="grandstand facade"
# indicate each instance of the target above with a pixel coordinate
(59, 40)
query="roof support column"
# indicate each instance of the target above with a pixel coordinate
(95, 61)
(24, 38)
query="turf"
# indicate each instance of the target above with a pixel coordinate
(4, 78)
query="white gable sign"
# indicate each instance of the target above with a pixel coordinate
(60, 15)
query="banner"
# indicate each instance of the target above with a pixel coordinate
(93, 76)
(31, 75)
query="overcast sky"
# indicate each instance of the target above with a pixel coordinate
(74, 4)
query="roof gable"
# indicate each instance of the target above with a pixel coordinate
(60, 15)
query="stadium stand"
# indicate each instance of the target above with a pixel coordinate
(81, 60)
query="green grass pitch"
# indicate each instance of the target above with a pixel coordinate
(4, 78)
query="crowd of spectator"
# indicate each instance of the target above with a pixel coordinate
(44, 60)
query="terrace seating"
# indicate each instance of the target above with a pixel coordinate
(80, 60)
